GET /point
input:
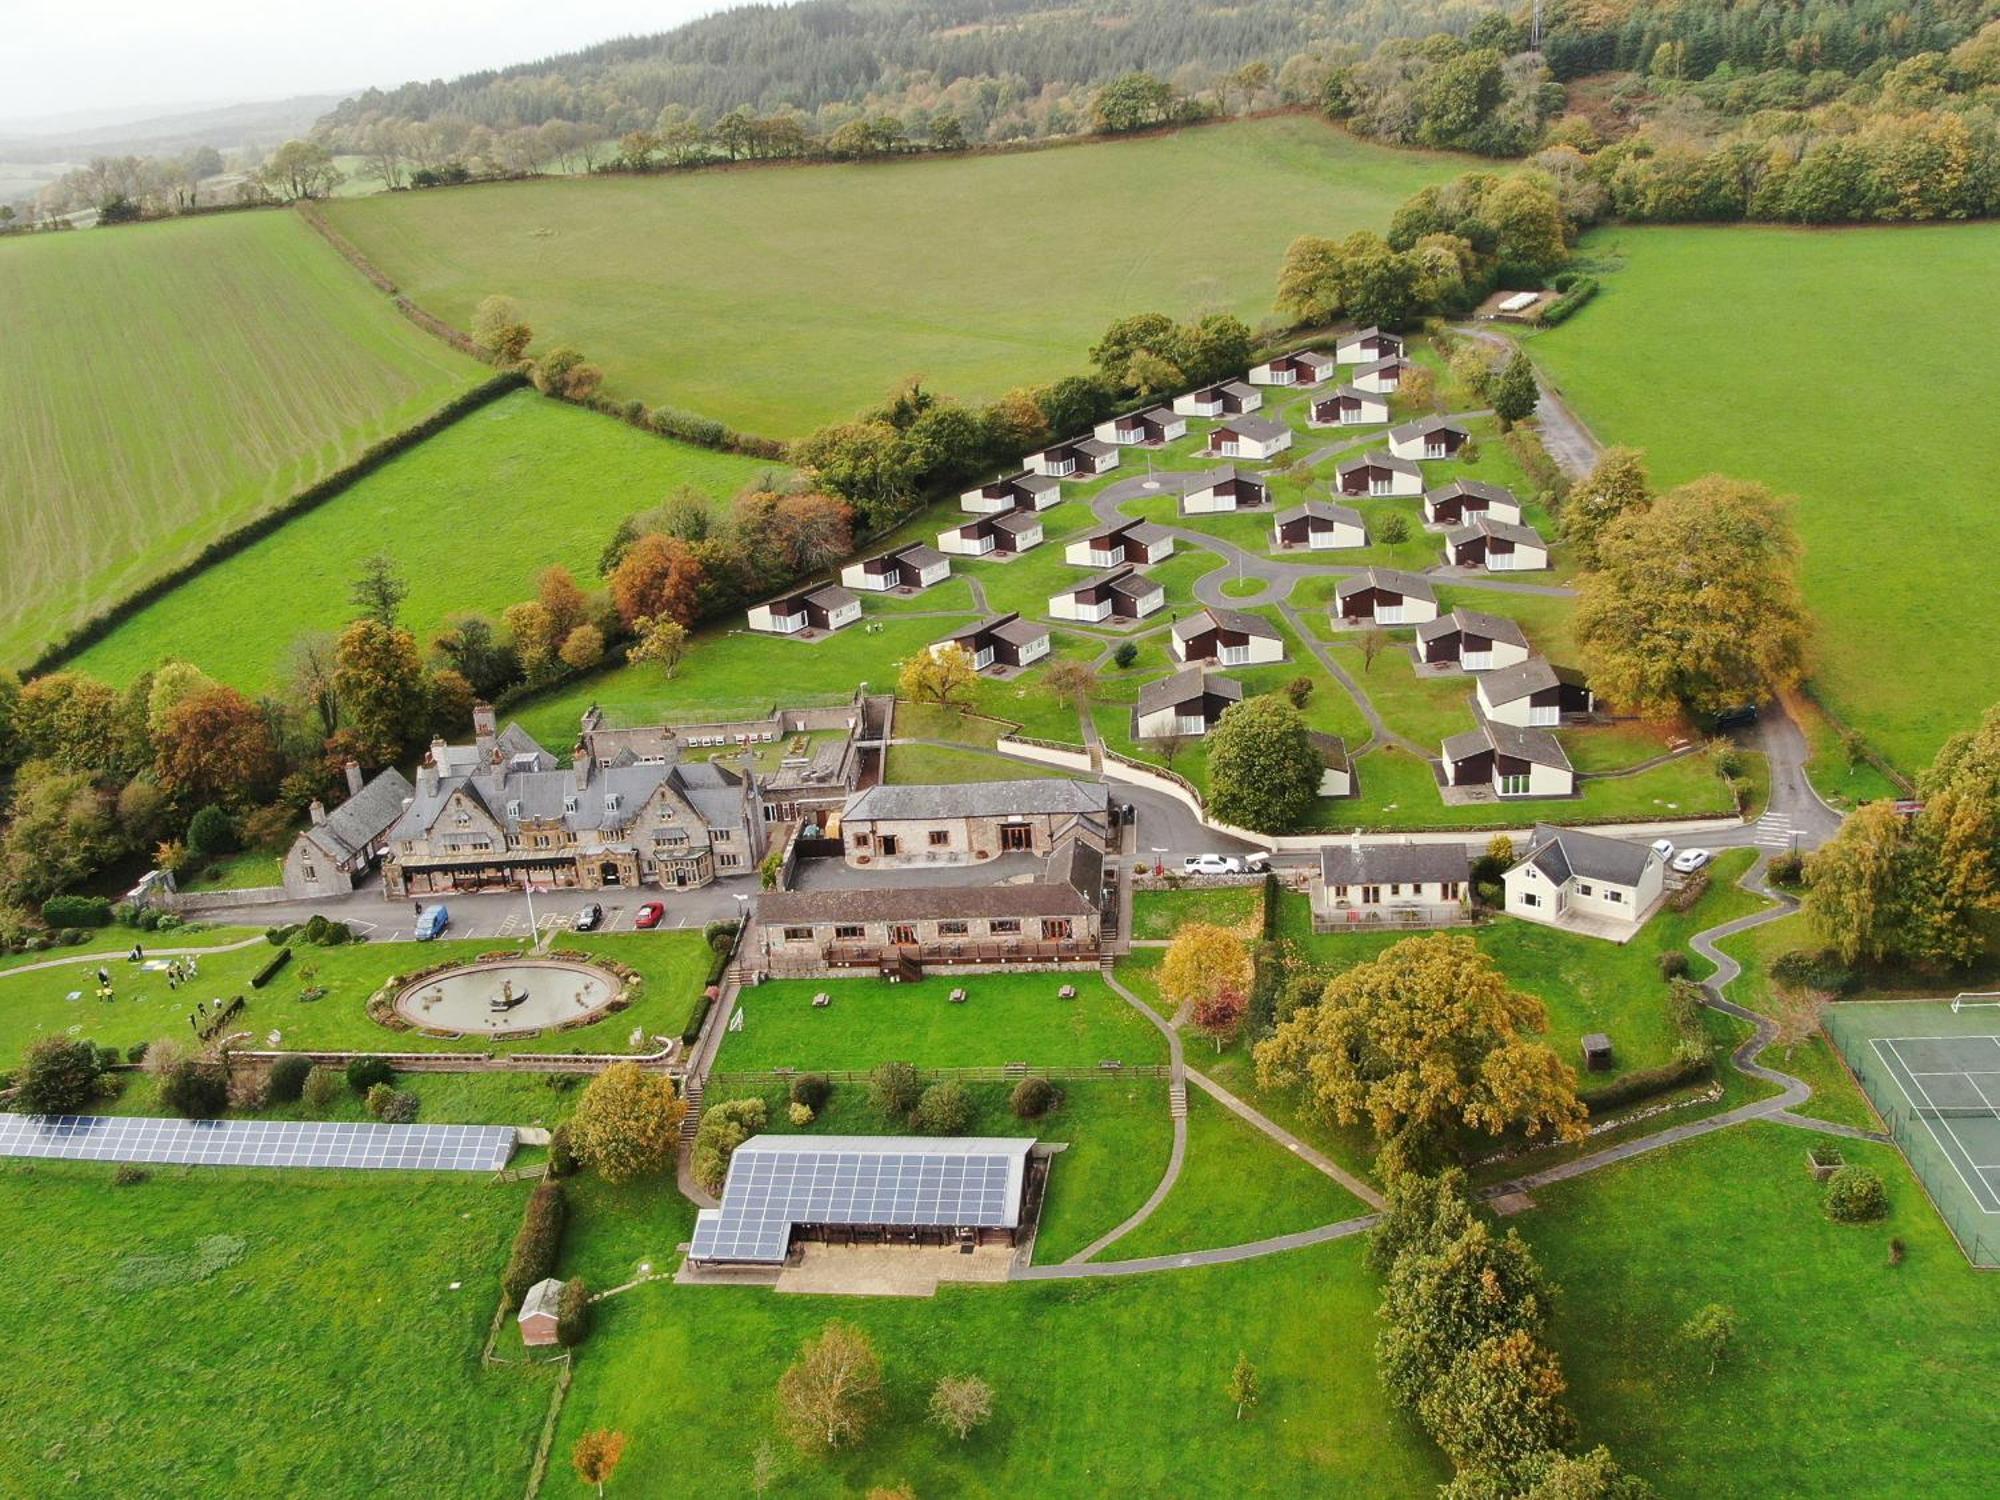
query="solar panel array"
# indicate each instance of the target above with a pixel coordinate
(258, 1143)
(770, 1191)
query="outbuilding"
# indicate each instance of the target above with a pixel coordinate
(540, 1313)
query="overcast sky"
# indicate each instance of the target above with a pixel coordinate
(60, 57)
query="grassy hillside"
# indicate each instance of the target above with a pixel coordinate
(472, 515)
(162, 383)
(776, 299)
(1847, 367)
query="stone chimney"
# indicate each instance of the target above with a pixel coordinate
(483, 734)
(317, 812)
(427, 778)
(353, 769)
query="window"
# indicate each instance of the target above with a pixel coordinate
(1340, 893)
(939, 838)
(569, 804)
(1616, 898)
(1449, 890)
(1370, 894)
(1235, 656)
(1583, 888)
(798, 934)
(1396, 888)
(1004, 927)
(953, 929)
(722, 835)
(1055, 929)
(903, 934)
(1016, 836)
(1530, 898)
(306, 866)
(1514, 786)
(861, 841)
(726, 861)
(850, 932)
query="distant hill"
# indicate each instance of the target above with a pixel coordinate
(225, 127)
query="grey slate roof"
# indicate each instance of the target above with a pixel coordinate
(1227, 474)
(1256, 428)
(542, 1299)
(1472, 621)
(1237, 388)
(1506, 531)
(919, 555)
(1422, 425)
(1016, 520)
(1381, 460)
(1381, 366)
(889, 802)
(1320, 510)
(1352, 393)
(1226, 619)
(1560, 853)
(831, 596)
(1475, 487)
(1019, 632)
(354, 826)
(1123, 579)
(513, 746)
(1383, 863)
(915, 903)
(1332, 750)
(1535, 675)
(1536, 745)
(1389, 580)
(1184, 687)
(513, 797)
(1093, 447)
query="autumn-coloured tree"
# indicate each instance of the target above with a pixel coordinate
(567, 604)
(627, 1123)
(814, 530)
(582, 648)
(1498, 1402)
(382, 688)
(944, 675)
(1421, 1042)
(1244, 1390)
(1374, 641)
(866, 463)
(1071, 682)
(311, 680)
(1418, 387)
(1695, 602)
(833, 1390)
(452, 699)
(1220, 1016)
(68, 719)
(659, 577)
(174, 682)
(662, 641)
(596, 1455)
(1201, 962)
(1616, 486)
(533, 634)
(215, 746)
(499, 329)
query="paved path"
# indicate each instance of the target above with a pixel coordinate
(1568, 441)
(1311, 1156)
(108, 957)
(1176, 1092)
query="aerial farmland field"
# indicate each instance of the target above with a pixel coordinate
(1851, 368)
(162, 383)
(780, 298)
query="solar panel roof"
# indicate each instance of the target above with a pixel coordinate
(258, 1143)
(777, 1182)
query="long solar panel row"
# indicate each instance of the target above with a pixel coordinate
(258, 1143)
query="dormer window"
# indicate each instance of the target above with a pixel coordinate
(514, 808)
(569, 804)
(612, 802)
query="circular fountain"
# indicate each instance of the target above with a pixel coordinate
(513, 997)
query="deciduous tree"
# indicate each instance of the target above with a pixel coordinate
(499, 329)
(832, 1392)
(1709, 1333)
(1615, 486)
(381, 685)
(1201, 962)
(627, 1123)
(1263, 772)
(959, 1403)
(532, 633)
(379, 589)
(662, 641)
(1514, 394)
(944, 676)
(215, 746)
(1071, 682)
(595, 1456)
(582, 648)
(1220, 1016)
(1244, 1391)
(659, 578)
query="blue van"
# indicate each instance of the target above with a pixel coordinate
(432, 923)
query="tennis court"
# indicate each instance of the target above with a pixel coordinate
(1951, 1084)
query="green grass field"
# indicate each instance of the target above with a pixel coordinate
(163, 383)
(1844, 367)
(780, 299)
(472, 517)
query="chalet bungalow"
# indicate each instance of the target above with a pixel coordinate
(1232, 398)
(1121, 595)
(1383, 596)
(889, 827)
(1224, 490)
(1305, 368)
(1366, 346)
(1512, 762)
(1141, 543)
(339, 849)
(1249, 437)
(1472, 641)
(1084, 458)
(1023, 491)
(1428, 437)
(1186, 704)
(1350, 406)
(1336, 777)
(1533, 694)
(1464, 500)
(827, 608)
(1496, 546)
(1319, 526)
(1003, 644)
(1568, 875)
(1414, 885)
(993, 536)
(1379, 474)
(1382, 376)
(910, 569)
(1149, 428)
(1226, 637)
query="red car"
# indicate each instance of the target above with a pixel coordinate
(649, 916)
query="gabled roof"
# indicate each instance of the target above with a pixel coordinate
(1227, 474)
(1124, 579)
(913, 903)
(1536, 745)
(1320, 510)
(1507, 531)
(1370, 332)
(1237, 388)
(1475, 487)
(1358, 863)
(1422, 425)
(1332, 750)
(1008, 627)
(1390, 581)
(1352, 393)
(1225, 619)
(919, 555)
(543, 1299)
(1383, 366)
(1311, 357)
(1054, 795)
(513, 746)
(1016, 520)
(1092, 447)
(352, 827)
(832, 596)
(1560, 853)
(1536, 674)
(1256, 428)
(1184, 687)
(1492, 627)
(1380, 460)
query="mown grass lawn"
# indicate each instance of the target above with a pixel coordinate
(863, 275)
(38, 1003)
(297, 1332)
(1159, 914)
(164, 383)
(467, 515)
(1005, 1018)
(118, 942)
(933, 765)
(1735, 350)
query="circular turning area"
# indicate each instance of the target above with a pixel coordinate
(490, 999)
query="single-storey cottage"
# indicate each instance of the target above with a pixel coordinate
(1349, 406)
(1534, 694)
(1141, 543)
(829, 607)
(1471, 640)
(1496, 546)
(1001, 644)
(1383, 376)
(1407, 884)
(1604, 886)
(1026, 490)
(1465, 500)
(1184, 705)
(1226, 637)
(911, 569)
(1151, 428)
(1224, 489)
(1319, 526)
(1512, 762)
(1305, 367)
(1379, 474)
(1429, 437)
(1249, 437)
(892, 826)
(1121, 595)
(993, 536)
(1231, 398)
(338, 850)
(1080, 458)
(1366, 346)
(1384, 596)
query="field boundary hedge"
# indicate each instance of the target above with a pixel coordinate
(226, 546)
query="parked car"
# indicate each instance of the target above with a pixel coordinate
(1212, 864)
(1257, 863)
(650, 916)
(432, 922)
(1738, 717)
(1665, 849)
(590, 918)
(1690, 860)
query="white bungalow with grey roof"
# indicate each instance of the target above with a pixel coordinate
(896, 826)
(1023, 491)
(1366, 346)
(1349, 406)
(1534, 694)
(1319, 526)
(1380, 883)
(1082, 458)
(1384, 596)
(1231, 398)
(1001, 645)
(1384, 376)
(1141, 543)
(1185, 705)
(1226, 637)
(1379, 474)
(1303, 367)
(1150, 428)
(1249, 437)
(1508, 762)
(1601, 886)
(1120, 595)
(1464, 500)
(828, 608)
(1003, 535)
(912, 569)
(1495, 547)
(1472, 641)
(1222, 490)
(1429, 438)
(339, 849)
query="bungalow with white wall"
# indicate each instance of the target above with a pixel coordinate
(1026, 490)
(1081, 458)
(1601, 886)
(1429, 437)
(1384, 596)
(1000, 645)
(1232, 398)
(1472, 641)
(1149, 428)
(993, 536)
(1349, 406)
(1319, 526)
(1509, 762)
(1336, 775)
(1307, 367)
(1534, 694)
(827, 608)
(1141, 543)
(1124, 594)
(1383, 376)
(1465, 500)
(1222, 490)
(1226, 637)
(1379, 474)
(1185, 705)
(1496, 546)
(1365, 346)
(911, 569)
(1249, 437)
(1379, 883)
